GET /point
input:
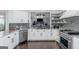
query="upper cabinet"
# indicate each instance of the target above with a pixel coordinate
(16, 16)
(69, 13)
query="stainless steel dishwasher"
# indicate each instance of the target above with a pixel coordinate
(23, 35)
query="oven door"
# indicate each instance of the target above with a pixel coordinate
(64, 42)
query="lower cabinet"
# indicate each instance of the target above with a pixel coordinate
(9, 41)
(75, 43)
(35, 34)
(14, 40)
(4, 42)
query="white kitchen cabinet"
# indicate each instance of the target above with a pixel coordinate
(14, 39)
(75, 43)
(34, 34)
(1, 33)
(4, 42)
(46, 34)
(69, 13)
(17, 16)
(10, 41)
(55, 34)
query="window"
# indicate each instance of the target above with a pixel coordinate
(2, 27)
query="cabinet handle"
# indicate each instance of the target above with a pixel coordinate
(40, 34)
(8, 36)
(51, 34)
(15, 33)
(12, 40)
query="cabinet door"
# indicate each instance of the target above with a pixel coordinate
(11, 42)
(49, 34)
(35, 34)
(24, 17)
(17, 16)
(7, 41)
(4, 41)
(11, 18)
(46, 35)
(42, 34)
(75, 44)
(30, 34)
(16, 38)
(55, 35)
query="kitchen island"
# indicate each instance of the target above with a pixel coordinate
(9, 40)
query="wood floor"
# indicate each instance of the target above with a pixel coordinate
(38, 45)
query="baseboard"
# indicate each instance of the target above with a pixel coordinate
(19, 44)
(22, 42)
(41, 41)
(59, 45)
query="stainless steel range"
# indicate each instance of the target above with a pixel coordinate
(67, 38)
(65, 41)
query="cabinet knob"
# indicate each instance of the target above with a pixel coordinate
(51, 34)
(40, 34)
(12, 40)
(8, 36)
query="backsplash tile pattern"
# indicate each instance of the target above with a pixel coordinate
(18, 26)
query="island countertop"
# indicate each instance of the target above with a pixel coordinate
(4, 33)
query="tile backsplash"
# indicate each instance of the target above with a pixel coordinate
(18, 26)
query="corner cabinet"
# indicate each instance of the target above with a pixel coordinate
(17, 16)
(69, 13)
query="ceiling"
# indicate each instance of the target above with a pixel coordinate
(52, 11)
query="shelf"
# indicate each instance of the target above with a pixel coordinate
(54, 19)
(59, 22)
(56, 14)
